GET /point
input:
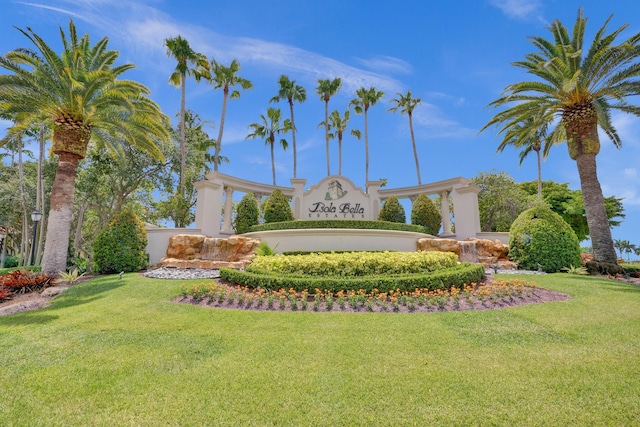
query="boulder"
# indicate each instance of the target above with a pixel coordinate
(198, 251)
(490, 253)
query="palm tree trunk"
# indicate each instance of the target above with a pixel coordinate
(366, 147)
(216, 156)
(40, 195)
(183, 149)
(60, 215)
(326, 134)
(415, 151)
(273, 162)
(339, 154)
(293, 132)
(597, 220)
(539, 176)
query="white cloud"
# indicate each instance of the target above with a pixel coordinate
(435, 124)
(519, 9)
(389, 64)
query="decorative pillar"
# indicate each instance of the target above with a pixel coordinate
(446, 217)
(209, 207)
(466, 211)
(298, 195)
(374, 198)
(228, 210)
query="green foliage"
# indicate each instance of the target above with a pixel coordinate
(11, 261)
(277, 208)
(569, 205)
(424, 212)
(392, 211)
(264, 249)
(358, 224)
(540, 238)
(247, 214)
(500, 200)
(72, 276)
(457, 276)
(350, 264)
(580, 270)
(121, 246)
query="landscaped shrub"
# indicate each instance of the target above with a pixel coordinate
(541, 239)
(122, 245)
(355, 264)
(247, 214)
(277, 208)
(392, 211)
(359, 224)
(457, 277)
(11, 261)
(23, 281)
(425, 213)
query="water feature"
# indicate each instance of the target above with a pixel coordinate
(468, 252)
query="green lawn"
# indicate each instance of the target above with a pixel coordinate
(118, 352)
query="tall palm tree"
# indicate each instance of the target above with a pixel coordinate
(268, 128)
(530, 137)
(406, 104)
(290, 91)
(326, 89)
(223, 77)
(366, 98)
(579, 86)
(179, 49)
(339, 125)
(83, 98)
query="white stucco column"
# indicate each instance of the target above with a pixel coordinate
(374, 198)
(209, 207)
(228, 210)
(446, 217)
(298, 194)
(466, 211)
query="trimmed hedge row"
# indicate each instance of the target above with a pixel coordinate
(355, 264)
(457, 276)
(359, 224)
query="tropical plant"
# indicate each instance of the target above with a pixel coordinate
(277, 208)
(269, 127)
(122, 245)
(578, 87)
(290, 91)
(530, 138)
(366, 98)
(179, 49)
(541, 240)
(424, 212)
(339, 125)
(406, 104)
(223, 77)
(326, 89)
(247, 214)
(392, 211)
(78, 93)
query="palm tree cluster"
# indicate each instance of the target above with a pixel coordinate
(627, 247)
(574, 91)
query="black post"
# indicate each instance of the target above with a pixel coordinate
(36, 216)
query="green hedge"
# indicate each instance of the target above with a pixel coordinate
(358, 224)
(354, 264)
(457, 276)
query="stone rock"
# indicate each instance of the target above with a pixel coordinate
(198, 251)
(487, 252)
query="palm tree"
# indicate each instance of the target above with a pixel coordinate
(406, 103)
(291, 92)
(221, 76)
(82, 97)
(530, 137)
(366, 98)
(326, 89)
(579, 87)
(179, 49)
(268, 129)
(339, 124)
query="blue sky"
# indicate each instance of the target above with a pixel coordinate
(455, 55)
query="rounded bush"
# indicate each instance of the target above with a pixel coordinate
(277, 208)
(425, 213)
(540, 239)
(247, 214)
(122, 245)
(392, 211)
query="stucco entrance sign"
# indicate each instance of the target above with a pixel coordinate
(336, 197)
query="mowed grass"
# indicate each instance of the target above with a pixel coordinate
(118, 352)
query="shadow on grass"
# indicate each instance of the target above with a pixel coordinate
(605, 282)
(27, 318)
(86, 292)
